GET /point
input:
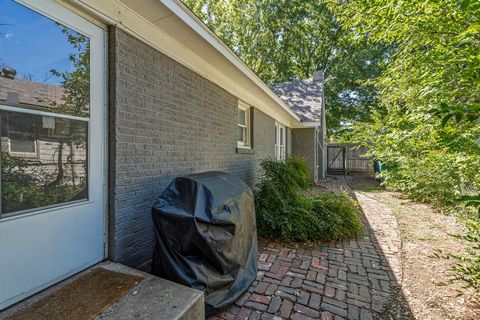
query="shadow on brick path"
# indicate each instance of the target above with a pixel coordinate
(358, 278)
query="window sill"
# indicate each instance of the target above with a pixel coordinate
(245, 150)
(25, 155)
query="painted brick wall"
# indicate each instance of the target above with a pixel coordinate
(165, 121)
(303, 146)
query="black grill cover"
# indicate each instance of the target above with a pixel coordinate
(206, 236)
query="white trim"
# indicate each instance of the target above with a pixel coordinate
(280, 141)
(309, 124)
(42, 113)
(41, 210)
(247, 126)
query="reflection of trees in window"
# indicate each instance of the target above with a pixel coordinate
(24, 186)
(58, 173)
(76, 83)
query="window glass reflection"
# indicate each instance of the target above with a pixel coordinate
(44, 161)
(44, 103)
(43, 64)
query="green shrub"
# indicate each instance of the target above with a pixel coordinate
(300, 170)
(284, 211)
(468, 266)
(339, 216)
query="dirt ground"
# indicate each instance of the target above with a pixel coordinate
(427, 289)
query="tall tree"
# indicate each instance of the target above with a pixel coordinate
(436, 62)
(432, 77)
(283, 40)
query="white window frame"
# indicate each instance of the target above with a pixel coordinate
(247, 126)
(280, 141)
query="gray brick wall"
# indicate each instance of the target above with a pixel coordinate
(165, 120)
(303, 146)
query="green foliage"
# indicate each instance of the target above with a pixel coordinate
(76, 82)
(22, 189)
(431, 78)
(283, 210)
(436, 57)
(468, 268)
(471, 201)
(282, 40)
(280, 207)
(299, 171)
(339, 216)
(288, 177)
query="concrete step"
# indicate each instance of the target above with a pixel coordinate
(153, 298)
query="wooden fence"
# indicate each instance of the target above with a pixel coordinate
(348, 159)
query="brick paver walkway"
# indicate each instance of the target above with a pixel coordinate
(352, 279)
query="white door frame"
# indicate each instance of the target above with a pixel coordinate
(87, 212)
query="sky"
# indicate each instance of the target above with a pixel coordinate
(32, 44)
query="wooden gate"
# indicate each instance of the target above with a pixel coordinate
(335, 159)
(348, 159)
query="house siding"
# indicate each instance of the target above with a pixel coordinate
(165, 120)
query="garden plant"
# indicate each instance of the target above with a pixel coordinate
(285, 210)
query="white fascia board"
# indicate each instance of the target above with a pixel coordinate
(116, 13)
(309, 124)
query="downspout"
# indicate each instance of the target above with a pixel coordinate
(322, 130)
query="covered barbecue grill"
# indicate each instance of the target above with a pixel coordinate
(206, 236)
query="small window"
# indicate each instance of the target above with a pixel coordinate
(21, 136)
(280, 142)
(243, 127)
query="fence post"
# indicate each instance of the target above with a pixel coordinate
(346, 149)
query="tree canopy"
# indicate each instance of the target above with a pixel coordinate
(436, 63)
(283, 40)
(432, 75)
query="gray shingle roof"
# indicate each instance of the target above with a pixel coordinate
(31, 93)
(304, 97)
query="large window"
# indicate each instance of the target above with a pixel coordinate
(280, 138)
(44, 111)
(243, 126)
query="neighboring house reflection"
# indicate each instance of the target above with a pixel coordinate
(44, 157)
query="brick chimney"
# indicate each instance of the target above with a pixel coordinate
(8, 73)
(318, 76)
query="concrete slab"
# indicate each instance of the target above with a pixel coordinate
(153, 298)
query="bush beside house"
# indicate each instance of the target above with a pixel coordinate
(285, 211)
